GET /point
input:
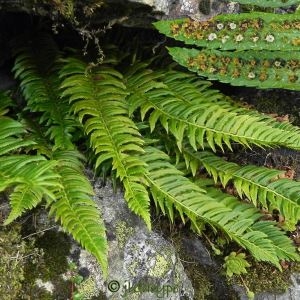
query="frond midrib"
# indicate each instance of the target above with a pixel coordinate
(175, 117)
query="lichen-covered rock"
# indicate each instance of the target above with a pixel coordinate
(201, 9)
(142, 264)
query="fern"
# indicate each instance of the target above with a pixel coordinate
(199, 114)
(73, 206)
(100, 104)
(250, 68)
(66, 190)
(254, 31)
(171, 189)
(260, 185)
(40, 87)
(68, 100)
(235, 263)
(257, 229)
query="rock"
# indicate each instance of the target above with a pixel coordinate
(142, 264)
(195, 250)
(293, 293)
(201, 9)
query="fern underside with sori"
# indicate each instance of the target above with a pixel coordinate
(136, 119)
(267, 48)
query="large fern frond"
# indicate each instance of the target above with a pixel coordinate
(171, 189)
(261, 185)
(199, 114)
(98, 98)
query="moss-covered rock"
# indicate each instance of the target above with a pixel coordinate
(13, 256)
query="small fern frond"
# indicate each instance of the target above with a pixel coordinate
(76, 210)
(98, 98)
(259, 184)
(235, 263)
(201, 115)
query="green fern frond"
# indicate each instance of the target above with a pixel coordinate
(282, 245)
(32, 178)
(197, 91)
(201, 115)
(40, 87)
(171, 189)
(244, 31)
(64, 186)
(98, 98)
(259, 184)
(76, 210)
(263, 69)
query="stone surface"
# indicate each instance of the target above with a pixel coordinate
(142, 264)
(200, 9)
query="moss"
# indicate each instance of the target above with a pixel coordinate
(262, 277)
(123, 233)
(12, 250)
(49, 266)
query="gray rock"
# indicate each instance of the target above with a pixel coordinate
(200, 9)
(142, 264)
(195, 249)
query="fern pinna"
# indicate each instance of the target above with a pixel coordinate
(67, 101)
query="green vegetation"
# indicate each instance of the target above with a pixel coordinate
(153, 129)
(269, 3)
